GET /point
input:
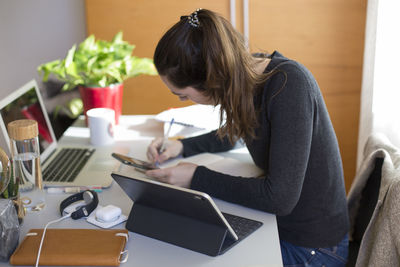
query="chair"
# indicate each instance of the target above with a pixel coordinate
(369, 198)
(374, 206)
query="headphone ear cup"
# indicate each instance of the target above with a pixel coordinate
(88, 197)
(69, 200)
(77, 214)
(91, 199)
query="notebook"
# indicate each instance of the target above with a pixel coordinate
(61, 165)
(199, 116)
(190, 218)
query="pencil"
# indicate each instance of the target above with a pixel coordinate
(162, 148)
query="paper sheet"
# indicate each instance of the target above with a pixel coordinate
(199, 116)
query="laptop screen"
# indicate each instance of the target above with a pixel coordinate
(26, 104)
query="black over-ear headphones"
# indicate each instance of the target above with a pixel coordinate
(91, 199)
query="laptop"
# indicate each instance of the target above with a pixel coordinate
(181, 216)
(61, 165)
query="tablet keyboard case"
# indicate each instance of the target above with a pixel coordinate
(186, 232)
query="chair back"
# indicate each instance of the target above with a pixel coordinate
(369, 198)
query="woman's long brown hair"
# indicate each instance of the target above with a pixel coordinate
(213, 59)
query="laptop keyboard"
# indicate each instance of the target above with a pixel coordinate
(67, 164)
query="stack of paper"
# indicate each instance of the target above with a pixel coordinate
(199, 116)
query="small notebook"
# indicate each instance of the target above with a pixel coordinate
(72, 247)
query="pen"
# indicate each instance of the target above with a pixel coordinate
(166, 136)
(72, 189)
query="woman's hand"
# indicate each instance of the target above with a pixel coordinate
(180, 175)
(172, 149)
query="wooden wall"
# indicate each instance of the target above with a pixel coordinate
(143, 23)
(326, 36)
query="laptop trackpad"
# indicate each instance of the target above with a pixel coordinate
(102, 164)
(103, 161)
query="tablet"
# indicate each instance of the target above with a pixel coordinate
(137, 163)
(183, 201)
(176, 210)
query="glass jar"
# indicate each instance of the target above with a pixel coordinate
(24, 144)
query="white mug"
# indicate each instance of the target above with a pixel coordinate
(101, 125)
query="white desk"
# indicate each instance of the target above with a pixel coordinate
(134, 133)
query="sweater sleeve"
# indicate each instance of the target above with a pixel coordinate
(208, 142)
(290, 114)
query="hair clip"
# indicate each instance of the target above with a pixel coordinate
(193, 19)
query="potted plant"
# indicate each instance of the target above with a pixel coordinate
(99, 69)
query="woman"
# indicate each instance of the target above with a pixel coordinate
(275, 106)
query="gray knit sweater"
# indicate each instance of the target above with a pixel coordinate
(297, 148)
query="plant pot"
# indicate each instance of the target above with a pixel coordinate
(102, 97)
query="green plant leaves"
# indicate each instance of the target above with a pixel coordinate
(13, 185)
(98, 63)
(72, 108)
(140, 66)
